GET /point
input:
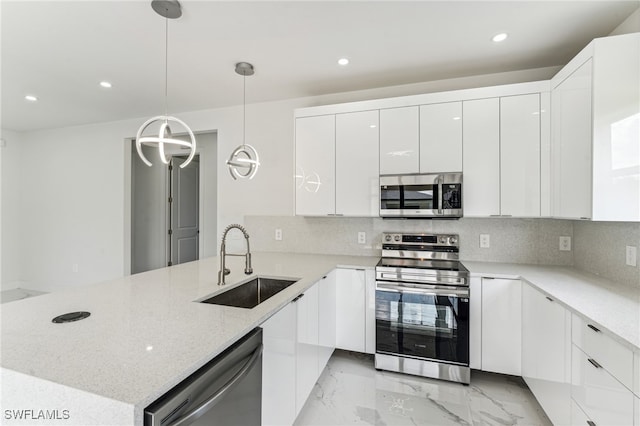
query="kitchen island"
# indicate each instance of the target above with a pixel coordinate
(146, 333)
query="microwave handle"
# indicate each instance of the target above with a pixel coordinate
(439, 181)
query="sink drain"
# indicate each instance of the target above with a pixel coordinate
(71, 317)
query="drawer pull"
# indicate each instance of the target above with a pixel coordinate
(596, 329)
(298, 298)
(590, 423)
(594, 363)
(549, 299)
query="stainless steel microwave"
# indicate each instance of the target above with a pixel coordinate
(436, 195)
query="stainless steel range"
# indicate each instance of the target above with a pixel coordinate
(422, 307)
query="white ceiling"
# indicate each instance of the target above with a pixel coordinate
(60, 50)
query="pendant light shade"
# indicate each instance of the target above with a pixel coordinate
(244, 160)
(169, 9)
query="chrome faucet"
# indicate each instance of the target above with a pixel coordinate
(223, 253)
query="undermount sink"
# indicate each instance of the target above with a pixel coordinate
(251, 293)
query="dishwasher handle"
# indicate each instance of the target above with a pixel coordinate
(217, 397)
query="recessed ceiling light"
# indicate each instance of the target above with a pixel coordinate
(457, 118)
(372, 126)
(31, 98)
(105, 84)
(500, 37)
(343, 61)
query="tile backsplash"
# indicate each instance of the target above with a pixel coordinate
(534, 241)
(596, 247)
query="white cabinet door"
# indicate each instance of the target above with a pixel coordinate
(326, 319)
(315, 166)
(441, 137)
(357, 164)
(520, 155)
(475, 323)
(350, 309)
(501, 326)
(307, 345)
(571, 145)
(616, 128)
(370, 311)
(399, 140)
(546, 353)
(481, 157)
(279, 334)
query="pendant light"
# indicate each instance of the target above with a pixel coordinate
(244, 160)
(169, 9)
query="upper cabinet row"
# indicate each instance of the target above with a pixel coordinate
(565, 148)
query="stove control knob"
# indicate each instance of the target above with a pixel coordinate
(387, 238)
(396, 238)
(453, 240)
(443, 240)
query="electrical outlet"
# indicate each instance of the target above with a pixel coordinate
(278, 234)
(362, 237)
(632, 255)
(485, 241)
(565, 243)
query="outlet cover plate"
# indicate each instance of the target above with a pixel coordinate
(631, 255)
(362, 237)
(485, 240)
(565, 243)
(278, 235)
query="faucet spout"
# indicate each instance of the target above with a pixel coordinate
(223, 253)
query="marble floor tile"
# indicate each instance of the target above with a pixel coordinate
(351, 391)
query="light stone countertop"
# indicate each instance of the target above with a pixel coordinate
(612, 306)
(145, 333)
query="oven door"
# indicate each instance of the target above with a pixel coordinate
(426, 322)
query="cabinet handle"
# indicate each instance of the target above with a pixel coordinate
(597, 330)
(488, 278)
(594, 363)
(584, 218)
(324, 277)
(590, 423)
(297, 298)
(549, 299)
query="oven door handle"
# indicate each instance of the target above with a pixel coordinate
(425, 290)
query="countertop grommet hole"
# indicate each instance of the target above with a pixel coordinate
(71, 317)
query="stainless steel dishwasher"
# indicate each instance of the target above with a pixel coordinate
(226, 391)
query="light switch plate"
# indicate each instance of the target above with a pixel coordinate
(631, 255)
(565, 243)
(278, 234)
(485, 241)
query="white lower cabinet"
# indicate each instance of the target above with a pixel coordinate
(546, 353)
(350, 309)
(578, 417)
(501, 326)
(326, 319)
(298, 341)
(279, 334)
(307, 354)
(603, 399)
(475, 323)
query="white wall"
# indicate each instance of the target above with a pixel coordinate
(629, 25)
(74, 183)
(10, 189)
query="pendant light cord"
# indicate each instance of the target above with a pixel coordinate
(244, 107)
(166, 63)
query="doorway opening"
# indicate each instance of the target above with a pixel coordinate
(173, 209)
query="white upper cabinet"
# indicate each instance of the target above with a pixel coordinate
(596, 132)
(399, 140)
(357, 170)
(520, 155)
(441, 137)
(571, 112)
(481, 157)
(315, 166)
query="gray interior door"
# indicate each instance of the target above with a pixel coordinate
(184, 210)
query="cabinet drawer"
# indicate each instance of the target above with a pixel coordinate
(603, 399)
(614, 357)
(578, 417)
